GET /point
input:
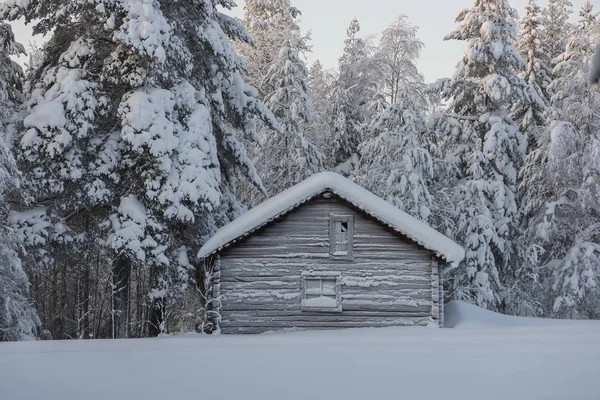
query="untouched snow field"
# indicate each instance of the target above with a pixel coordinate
(486, 357)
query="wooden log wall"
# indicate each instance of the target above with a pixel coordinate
(389, 280)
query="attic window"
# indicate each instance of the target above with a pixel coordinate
(321, 292)
(341, 236)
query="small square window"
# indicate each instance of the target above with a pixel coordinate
(321, 292)
(341, 236)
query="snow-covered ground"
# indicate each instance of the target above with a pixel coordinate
(486, 357)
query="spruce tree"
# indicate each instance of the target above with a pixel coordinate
(271, 23)
(557, 27)
(561, 185)
(131, 134)
(352, 92)
(534, 50)
(319, 90)
(18, 317)
(487, 151)
(396, 164)
(288, 157)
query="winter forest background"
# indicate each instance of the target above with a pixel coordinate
(142, 126)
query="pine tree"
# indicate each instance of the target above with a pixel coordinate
(572, 98)
(396, 164)
(487, 150)
(534, 49)
(18, 317)
(319, 83)
(131, 134)
(270, 23)
(352, 92)
(319, 90)
(532, 117)
(286, 158)
(557, 26)
(562, 186)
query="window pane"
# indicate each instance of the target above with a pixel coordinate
(313, 284)
(320, 294)
(329, 287)
(341, 236)
(344, 227)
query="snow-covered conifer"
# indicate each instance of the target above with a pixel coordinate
(557, 27)
(572, 98)
(561, 184)
(319, 83)
(487, 150)
(534, 49)
(18, 317)
(351, 93)
(271, 23)
(396, 163)
(319, 88)
(132, 126)
(288, 157)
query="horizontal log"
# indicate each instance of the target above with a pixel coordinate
(265, 263)
(265, 304)
(382, 307)
(262, 285)
(314, 317)
(399, 284)
(386, 296)
(245, 330)
(416, 321)
(279, 297)
(308, 258)
(302, 233)
(374, 285)
(233, 314)
(279, 254)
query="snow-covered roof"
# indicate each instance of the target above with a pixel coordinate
(361, 198)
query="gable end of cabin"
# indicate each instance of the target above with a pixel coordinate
(324, 265)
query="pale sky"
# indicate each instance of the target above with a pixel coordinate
(328, 20)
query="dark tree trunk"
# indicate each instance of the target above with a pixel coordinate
(86, 301)
(157, 304)
(121, 278)
(157, 317)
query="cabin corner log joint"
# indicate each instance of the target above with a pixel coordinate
(326, 254)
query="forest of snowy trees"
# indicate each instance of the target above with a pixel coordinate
(142, 126)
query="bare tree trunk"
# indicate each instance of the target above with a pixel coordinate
(63, 305)
(157, 306)
(157, 317)
(86, 301)
(121, 277)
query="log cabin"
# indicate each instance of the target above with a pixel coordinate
(326, 254)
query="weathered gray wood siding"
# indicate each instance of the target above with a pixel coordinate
(388, 282)
(441, 295)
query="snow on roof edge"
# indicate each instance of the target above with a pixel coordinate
(361, 198)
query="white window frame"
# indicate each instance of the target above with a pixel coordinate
(333, 220)
(321, 276)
